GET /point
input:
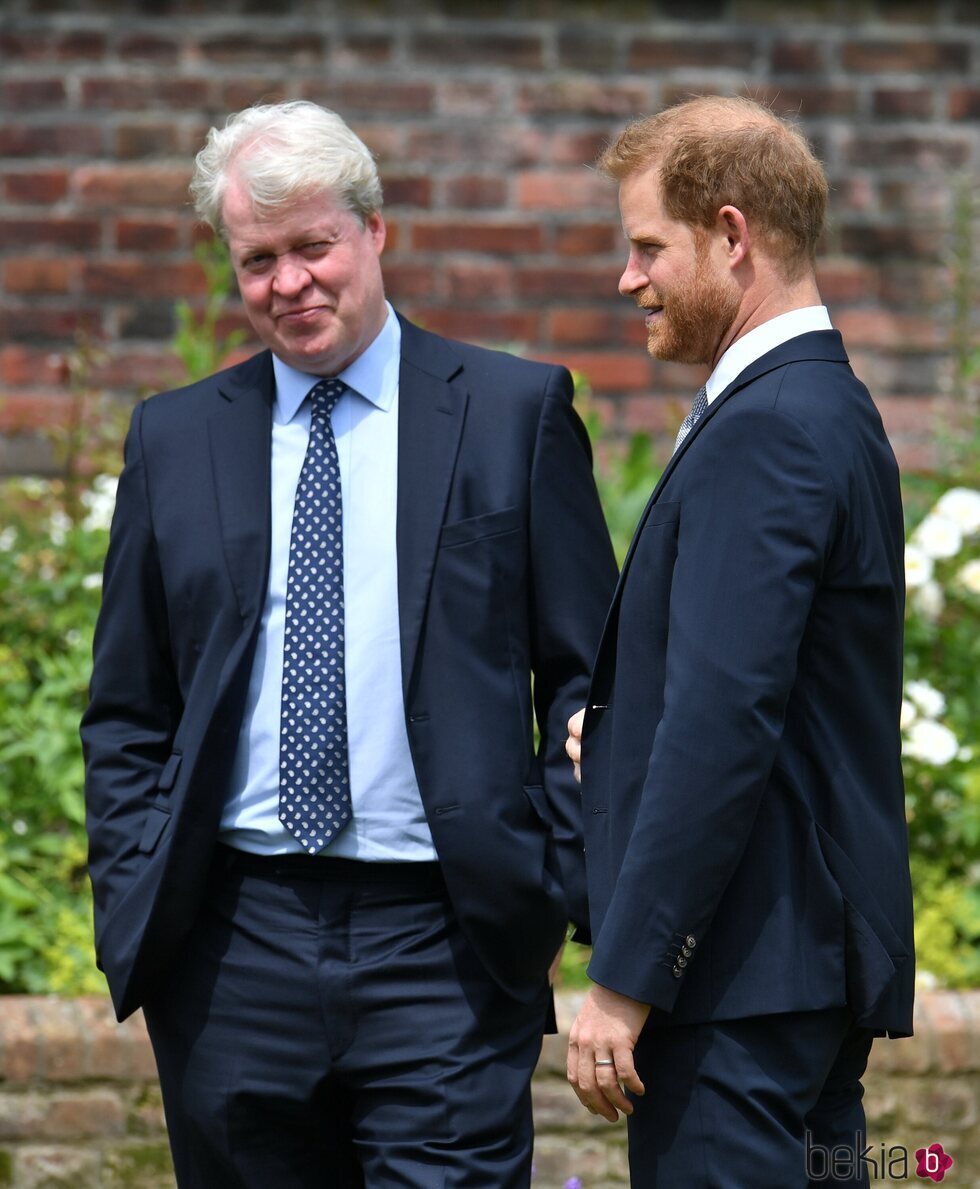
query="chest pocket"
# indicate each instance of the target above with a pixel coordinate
(477, 528)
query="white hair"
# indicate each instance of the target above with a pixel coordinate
(279, 151)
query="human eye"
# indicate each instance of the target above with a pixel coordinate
(256, 261)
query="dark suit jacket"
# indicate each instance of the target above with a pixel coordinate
(744, 813)
(504, 569)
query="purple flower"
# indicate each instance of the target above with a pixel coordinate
(573, 1183)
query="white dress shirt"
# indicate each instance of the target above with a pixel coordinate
(388, 818)
(756, 343)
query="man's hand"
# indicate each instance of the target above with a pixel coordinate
(573, 744)
(606, 1029)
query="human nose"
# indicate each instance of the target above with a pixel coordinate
(634, 278)
(291, 276)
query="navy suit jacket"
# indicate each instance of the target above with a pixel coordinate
(504, 570)
(746, 843)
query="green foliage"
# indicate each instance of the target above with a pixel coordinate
(53, 538)
(197, 343)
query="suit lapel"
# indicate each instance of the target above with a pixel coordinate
(431, 409)
(240, 438)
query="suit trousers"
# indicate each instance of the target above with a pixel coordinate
(760, 1102)
(327, 1025)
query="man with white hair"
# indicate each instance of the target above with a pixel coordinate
(335, 892)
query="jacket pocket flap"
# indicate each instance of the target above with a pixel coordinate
(156, 822)
(662, 514)
(169, 773)
(475, 528)
(536, 795)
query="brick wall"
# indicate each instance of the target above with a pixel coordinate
(483, 117)
(80, 1108)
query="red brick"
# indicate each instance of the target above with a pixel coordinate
(477, 237)
(37, 186)
(364, 48)
(146, 235)
(21, 366)
(146, 320)
(479, 282)
(550, 281)
(660, 415)
(51, 140)
(582, 97)
(562, 190)
(798, 57)
(884, 328)
(475, 190)
(123, 278)
(841, 280)
(804, 101)
(909, 415)
(80, 43)
(125, 94)
(357, 96)
(81, 1115)
(150, 369)
(409, 280)
(238, 93)
(648, 53)
(24, 413)
(923, 152)
(451, 145)
(147, 45)
(39, 274)
(20, 1057)
(22, 45)
(34, 324)
(469, 97)
(910, 197)
(589, 239)
(964, 103)
(482, 326)
(133, 185)
(582, 327)
(53, 232)
(146, 140)
(907, 54)
(912, 285)
(609, 371)
(29, 94)
(904, 102)
(881, 242)
(588, 47)
(267, 46)
(407, 190)
(491, 45)
(578, 148)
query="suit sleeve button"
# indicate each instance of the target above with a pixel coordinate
(682, 962)
(685, 950)
(691, 943)
(677, 972)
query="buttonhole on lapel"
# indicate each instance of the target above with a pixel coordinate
(600, 809)
(418, 718)
(441, 809)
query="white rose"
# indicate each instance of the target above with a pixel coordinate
(962, 506)
(928, 600)
(926, 697)
(100, 501)
(938, 536)
(969, 576)
(930, 742)
(909, 714)
(91, 582)
(926, 980)
(58, 526)
(918, 567)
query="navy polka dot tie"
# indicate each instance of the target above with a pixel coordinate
(314, 780)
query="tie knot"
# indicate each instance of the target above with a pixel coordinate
(325, 394)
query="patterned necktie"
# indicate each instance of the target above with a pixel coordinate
(698, 410)
(314, 781)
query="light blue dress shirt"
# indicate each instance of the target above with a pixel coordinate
(388, 818)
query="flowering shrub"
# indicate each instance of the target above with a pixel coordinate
(51, 551)
(941, 747)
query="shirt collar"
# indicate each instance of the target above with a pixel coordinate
(373, 374)
(764, 338)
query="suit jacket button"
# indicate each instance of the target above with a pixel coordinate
(677, 972)
(682, 962)
(690, 941)
(685, 951)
